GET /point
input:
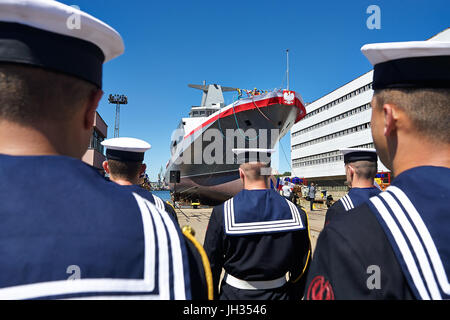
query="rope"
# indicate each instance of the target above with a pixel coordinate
(205, 261)
(239, 129)
(309, 250)
(262, 113)
(285, 157)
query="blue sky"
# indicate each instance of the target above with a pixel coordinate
(239, 44)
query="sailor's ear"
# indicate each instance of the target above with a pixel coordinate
(391, 114)
(241, 174)
(105, 166)
(352, 171)
(92, 104)
(143, 168)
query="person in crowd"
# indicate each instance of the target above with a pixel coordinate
(396, 245)
(60, 218)
(286, 191)
(360, 170)
(124, 165)
(311, 195)
(258, 237)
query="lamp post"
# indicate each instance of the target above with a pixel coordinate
(117, 100)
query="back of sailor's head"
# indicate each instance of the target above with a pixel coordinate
(255, 162)
(47, 68)
(125, 156)
(415, 76)
(362, 160)
(255, 171)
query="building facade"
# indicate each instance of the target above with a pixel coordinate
(340, 119)
(95, 154)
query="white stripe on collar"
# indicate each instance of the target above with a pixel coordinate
(158, 202)
(232, 227)
(151, 217)
(425, 235)
(349, 199)
(429, 261)
(417, 247)
(345, 204)
(403, 246)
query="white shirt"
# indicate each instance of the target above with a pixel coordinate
(286, 191)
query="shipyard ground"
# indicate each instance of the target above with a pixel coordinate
(198, 220)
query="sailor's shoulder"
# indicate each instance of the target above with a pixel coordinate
(334, 210)
(359, 226)
(218, 211)
(337, 205)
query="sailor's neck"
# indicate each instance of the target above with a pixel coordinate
(419, 152)
(17, 140)
(122, 182)
(361, 184)
(255, 186)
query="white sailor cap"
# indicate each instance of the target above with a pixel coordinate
(57, 37)
(414, 64)
(246, 155)
(126, 149)
(359, 154)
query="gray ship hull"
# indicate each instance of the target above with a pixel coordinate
(214, 183)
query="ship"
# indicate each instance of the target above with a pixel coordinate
(202, 167)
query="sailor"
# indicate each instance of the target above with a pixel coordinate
(124, 167)
(397, 245)
(360, 171)
(61, 220)
(258, 237)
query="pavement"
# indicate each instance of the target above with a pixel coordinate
(198, 219)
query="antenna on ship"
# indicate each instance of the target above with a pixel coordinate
(287, 70)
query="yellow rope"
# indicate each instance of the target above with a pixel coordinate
(170, 205)
(206, 266)
(309, 250)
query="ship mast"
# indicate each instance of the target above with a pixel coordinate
(287, 70)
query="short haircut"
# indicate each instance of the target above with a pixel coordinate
(428, 109)
(254, 171)
(128, 170)
(365, 169)
(29, 95)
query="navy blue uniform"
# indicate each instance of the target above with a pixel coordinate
(61, 220)
(354, 198)
(258, 236)
(197, 273)
(401, 236)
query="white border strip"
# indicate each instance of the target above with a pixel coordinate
(403, 246)
(177, 257)
(415, 244)
(295, 223)
(66, 287)
(105, 285)
(346, 207)
(426, 238)
(350, 202)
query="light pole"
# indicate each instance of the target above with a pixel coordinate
(117, 100)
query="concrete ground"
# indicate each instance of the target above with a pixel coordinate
(198, 219)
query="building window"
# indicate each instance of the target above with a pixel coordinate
(339, 100)
(327, 157)
(333, 119)
(332, 135)
(96, 141)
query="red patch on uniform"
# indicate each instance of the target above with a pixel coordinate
(320, 289)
